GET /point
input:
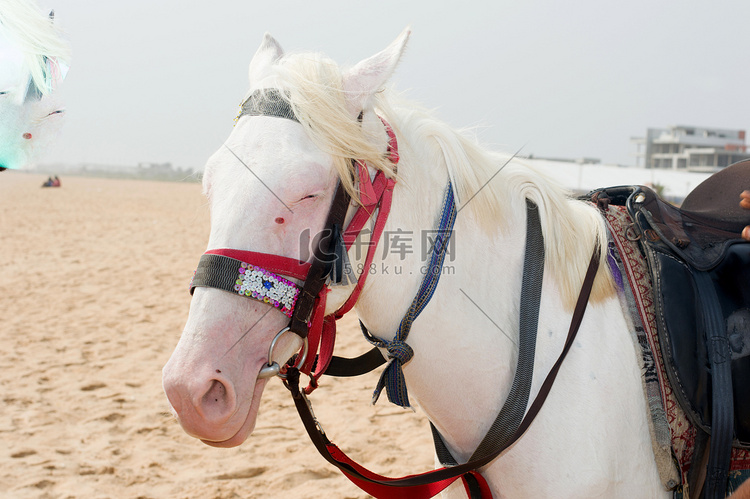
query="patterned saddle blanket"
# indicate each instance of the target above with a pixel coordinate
(674, 434)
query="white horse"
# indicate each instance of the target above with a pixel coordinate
(33, 61)
(275, 178)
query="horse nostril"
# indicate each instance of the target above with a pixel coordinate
(218, 402)
(216, 392)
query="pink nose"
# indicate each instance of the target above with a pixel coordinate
(204, 404)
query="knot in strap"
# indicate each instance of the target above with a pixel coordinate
(400, 351)
(392, 377)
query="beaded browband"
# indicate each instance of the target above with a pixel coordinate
(247, 280)
(234, 271)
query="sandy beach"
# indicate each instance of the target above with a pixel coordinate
(93, 295)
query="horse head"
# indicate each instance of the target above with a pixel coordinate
(270, 188)
(31, 67)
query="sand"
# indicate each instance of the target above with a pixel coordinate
(93, 297)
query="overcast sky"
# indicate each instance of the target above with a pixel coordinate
(160, 80)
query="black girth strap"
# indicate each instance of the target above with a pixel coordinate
(722, 413)
(511, 414)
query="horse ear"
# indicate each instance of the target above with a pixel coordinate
(268, 53)
(369, 75)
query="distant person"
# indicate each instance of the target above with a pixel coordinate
(33, 62)
(52, 182)
(745, 203)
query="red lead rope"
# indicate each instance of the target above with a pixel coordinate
(419, 486)
(425, 491)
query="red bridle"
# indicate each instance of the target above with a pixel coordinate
(320, 330)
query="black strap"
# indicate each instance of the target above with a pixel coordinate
(357, 366)
(321, 264)
(722, 409)
(267, 102)
(512, 412)
(319, 439)
(216, 271)
(472, 484)
(696, 475)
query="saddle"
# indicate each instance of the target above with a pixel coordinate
(700, 270)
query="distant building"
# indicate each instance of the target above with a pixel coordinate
(162, 171)
(580, 161)
(156, 168)
(690, 148)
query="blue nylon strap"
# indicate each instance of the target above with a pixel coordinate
(399, 353)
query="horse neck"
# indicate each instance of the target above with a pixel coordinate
(452, 336)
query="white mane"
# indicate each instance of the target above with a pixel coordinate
(490, 184)
(493, 185)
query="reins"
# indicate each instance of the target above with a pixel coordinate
(428, 484)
